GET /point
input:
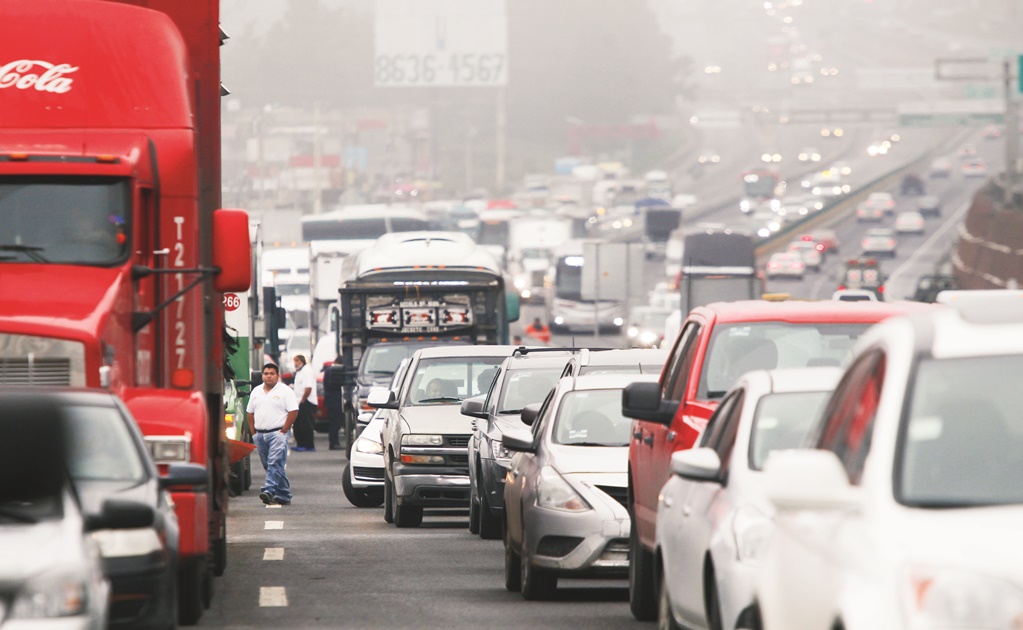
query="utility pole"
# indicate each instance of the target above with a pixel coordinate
(317, 160)
(499, 176)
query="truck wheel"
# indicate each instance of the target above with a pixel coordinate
(388, 501)
(537, 583)
(490, 525)
(406, 515)
(512, 567)
(190, 589)
(207, 588)
(474, 510)
(220, 553)
(359, 497)
(642, 594)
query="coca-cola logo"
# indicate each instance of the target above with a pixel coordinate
(26, 74)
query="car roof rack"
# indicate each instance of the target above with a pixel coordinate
(524, 350)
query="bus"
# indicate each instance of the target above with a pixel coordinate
(566, 309)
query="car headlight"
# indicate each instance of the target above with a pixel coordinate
(559, 320)
(499, 451)
(420, 439)
(554, 493)
(648, 338)
(124, 543)
(520, 283)
(618, 321)
(938, 598)
(368, 446)
(752, 532)
(633, 331)
(57, 593)
(168, 449)
(744, 205)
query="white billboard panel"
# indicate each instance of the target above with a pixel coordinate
(440, 43)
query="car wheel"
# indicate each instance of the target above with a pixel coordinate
(388, 500)
(665, 618)
(537, 583)
(406, 515)
(190, 589)
(359, 497)
(490, 525)
(512, 567)
(220, 553)
(474, 509)
(642, 594)
(207, 588)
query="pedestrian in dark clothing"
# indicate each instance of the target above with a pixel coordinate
(305, 392)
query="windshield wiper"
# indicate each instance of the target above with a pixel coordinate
(17, 515)
(32, 251)
(441, 399)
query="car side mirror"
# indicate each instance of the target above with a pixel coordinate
(530, 413)
(642, 401)
(473, 407)
(120, 514)
(518, 443)
(382, 399)
(809, 480)
(192, 475)
(697, 464)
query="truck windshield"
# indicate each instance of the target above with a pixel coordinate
(66, 220)
(739, 348)
(701, 291)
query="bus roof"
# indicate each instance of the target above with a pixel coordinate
(407, 250)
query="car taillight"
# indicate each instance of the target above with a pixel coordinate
(819, 247)
(773, 265)
(880, 289)
(891, 243)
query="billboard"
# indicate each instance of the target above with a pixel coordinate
(440, 43)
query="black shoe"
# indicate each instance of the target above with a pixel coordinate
(281, 501)
(266, 498)
(336, 447)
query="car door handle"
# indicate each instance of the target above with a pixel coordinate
(649, 440)
(668, 502)
(686, 511)
(671, 436)
(638, 434)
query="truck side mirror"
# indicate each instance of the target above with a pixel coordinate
(232, 251)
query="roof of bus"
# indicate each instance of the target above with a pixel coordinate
(400, 250)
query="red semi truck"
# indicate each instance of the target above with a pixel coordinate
(114, 252)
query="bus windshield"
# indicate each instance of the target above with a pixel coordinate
(568, 278)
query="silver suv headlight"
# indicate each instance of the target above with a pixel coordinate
(57, 593)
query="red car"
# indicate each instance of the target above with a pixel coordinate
(717, 344)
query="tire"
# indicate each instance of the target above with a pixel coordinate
(711, 603)
(512, 567)
(247, 483)
(406, 515)
(665, 618)
(190, 593)
(207, 588)
(388, 501)
(537, 584)
(474, 509)
(642, 586)
(359, 497)
(236, 485)
(220, 554)
(490, 525)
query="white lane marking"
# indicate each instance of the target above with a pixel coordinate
(273, 525)
(275, 506)
(273, 596)
(920, 251)
(273, 553)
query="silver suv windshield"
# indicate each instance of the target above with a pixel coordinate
(449, 381)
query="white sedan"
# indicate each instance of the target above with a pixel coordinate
(713, 519)
(909, 223)
(786, 265)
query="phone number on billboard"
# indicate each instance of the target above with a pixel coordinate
(451, 69)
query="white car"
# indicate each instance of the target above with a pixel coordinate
(713, 519)
(363, 478)
(907, 511)
(854, 295)
(786, 265)
(809, 154)
(883, 200)
(911, 222)
(808, 251)
(879, 241)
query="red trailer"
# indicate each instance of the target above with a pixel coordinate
(114, 252)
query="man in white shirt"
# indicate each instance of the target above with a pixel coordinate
(305, 392)
(272, 410)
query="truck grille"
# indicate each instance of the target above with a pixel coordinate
(620, 495)
(38, 371)
(457, 441)
(536, 278)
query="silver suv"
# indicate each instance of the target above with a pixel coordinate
(426, 458)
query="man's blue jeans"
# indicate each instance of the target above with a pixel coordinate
(273, 453)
